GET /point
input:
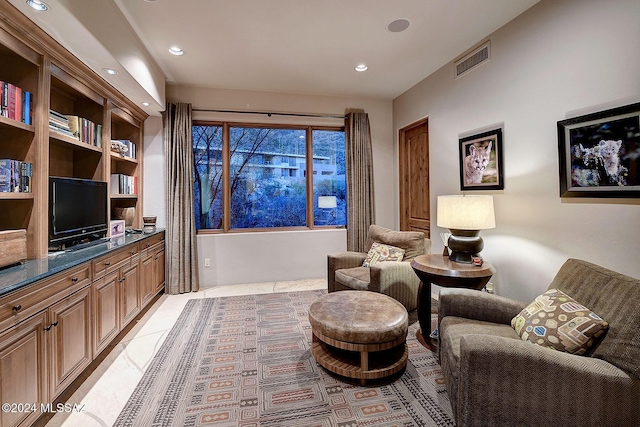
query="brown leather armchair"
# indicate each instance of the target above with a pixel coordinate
(396, 279)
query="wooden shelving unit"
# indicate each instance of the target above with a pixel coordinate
(58, 81)
(124, 127)
(53, 328)
(22, 67)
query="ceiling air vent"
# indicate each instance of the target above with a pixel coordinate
(472, 60)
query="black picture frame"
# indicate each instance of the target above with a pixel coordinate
(599, 154)
(481, 164)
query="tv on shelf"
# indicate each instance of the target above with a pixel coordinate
(77, 211)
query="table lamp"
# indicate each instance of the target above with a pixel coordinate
(465, 216)
(327, 202)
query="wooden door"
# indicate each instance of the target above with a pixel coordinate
(23, 370)
(129, 294)
(105, 308)
(413, 151)
(71, 348)
(158, 267)
(147, 279)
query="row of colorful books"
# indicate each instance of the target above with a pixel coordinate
(15, 176)
(123, 184)
(84, 130)
(15, 103)
(125, 147)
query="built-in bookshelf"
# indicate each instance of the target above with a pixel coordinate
(125, 167)
(69, 155)
(20, 66)
(66, 131)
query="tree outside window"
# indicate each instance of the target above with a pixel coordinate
(329, 178)
(207, 186)
(267, 179)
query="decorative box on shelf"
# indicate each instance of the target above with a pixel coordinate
(13, 247)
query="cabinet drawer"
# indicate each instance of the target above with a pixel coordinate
(153, 250)
(26, 302)
(148, 245)
(112, 262)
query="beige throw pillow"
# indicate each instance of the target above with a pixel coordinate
(380, 252)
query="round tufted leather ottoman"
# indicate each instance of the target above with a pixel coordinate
(359, 334)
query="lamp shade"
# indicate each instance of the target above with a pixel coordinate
(466, 212)
(327, 202)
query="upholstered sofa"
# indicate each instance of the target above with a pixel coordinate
(396, 279)
(495, 378)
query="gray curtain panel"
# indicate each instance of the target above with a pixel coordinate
(181, 248)
(359, 165)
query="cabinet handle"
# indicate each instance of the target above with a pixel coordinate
(107, 264)
(55, 323)
(17, 308)
(74, 279)
(47, 328)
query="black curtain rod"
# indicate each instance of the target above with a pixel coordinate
(265, 113)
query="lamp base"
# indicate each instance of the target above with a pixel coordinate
(465, 245)
(462, 257)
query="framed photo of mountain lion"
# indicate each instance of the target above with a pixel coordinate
(599, 154)
(481, 161)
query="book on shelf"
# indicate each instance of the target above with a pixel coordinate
(59, 123)
(58, 117)
(15, 176)
(125, 148)
(98, 136)
(73, 126)
(84, 130)
(123, 184)
(15, 103)
(26, 108)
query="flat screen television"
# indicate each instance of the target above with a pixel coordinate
(77, 211)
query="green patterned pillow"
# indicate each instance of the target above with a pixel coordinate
(557, 321)
(380, 252)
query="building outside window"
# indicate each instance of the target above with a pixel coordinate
(266, 178)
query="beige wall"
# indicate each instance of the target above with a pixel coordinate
(560, 59)
(262, 257)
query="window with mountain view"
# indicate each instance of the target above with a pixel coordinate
(267, 170)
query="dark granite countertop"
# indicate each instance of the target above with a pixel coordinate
(18, 276)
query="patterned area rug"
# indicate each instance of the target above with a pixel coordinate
(246, 361)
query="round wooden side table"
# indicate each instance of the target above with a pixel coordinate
(440, 270)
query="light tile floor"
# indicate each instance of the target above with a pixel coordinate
(103, 395)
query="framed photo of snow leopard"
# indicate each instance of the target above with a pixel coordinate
(599, 154)
(481, 161)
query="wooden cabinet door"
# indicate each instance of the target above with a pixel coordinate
(70, 338)
(106, 318)
(147, 279)
(158, 268)
(129, 293)
(23, 371)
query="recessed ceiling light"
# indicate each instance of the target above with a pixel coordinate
(361, 67)
(38, 5)
(176, 51)
(110, 71)
(398, 25)
(146, 104)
